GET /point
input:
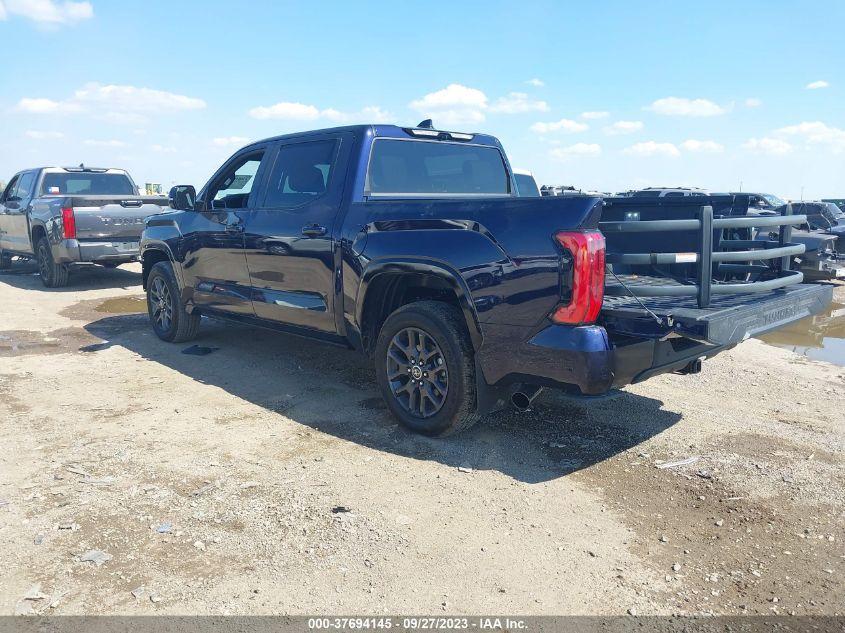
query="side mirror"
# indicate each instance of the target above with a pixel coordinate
(182, 197)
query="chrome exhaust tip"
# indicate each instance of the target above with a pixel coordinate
(523, 398)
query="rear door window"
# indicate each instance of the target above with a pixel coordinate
(424, 168)
(300, 174)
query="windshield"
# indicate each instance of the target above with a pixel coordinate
(526, 186)
(772, 200)
(400, 167)
(86, 184)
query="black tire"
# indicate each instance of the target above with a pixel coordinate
(435, 326)
(53, 275)
(5, 260)
(170, 321)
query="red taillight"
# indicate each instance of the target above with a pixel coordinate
(68, 223)
(587, 284)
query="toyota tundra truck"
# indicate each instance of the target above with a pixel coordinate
(412, 246)
(65, 216)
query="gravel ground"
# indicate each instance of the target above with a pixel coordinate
(267, 477)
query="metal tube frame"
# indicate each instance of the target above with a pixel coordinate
(703, 287)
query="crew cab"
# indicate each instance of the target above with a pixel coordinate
(412, 246)
(64, 216)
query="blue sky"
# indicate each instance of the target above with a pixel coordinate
(603, 95)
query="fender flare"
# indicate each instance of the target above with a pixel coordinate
(159, 245)
(425, 266)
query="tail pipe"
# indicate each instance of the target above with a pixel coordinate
(523, 398)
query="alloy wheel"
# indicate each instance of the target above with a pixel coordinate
(416, 370)
(161, 302)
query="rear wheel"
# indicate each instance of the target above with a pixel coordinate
(53, 275)
(170, 321)
(426, 370)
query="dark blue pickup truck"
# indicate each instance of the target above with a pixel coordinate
(413, 246)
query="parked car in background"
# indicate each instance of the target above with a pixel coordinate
(569, 190)
(526, 186)
(839, 202)
(64, 216)
(663, 192)
(821, 216)
(761, 201)
(824, 236)
(412, 246)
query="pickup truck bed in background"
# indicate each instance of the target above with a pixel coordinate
(64, 216)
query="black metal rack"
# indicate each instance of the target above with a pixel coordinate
(715, 252)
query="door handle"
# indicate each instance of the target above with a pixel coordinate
(313, 230)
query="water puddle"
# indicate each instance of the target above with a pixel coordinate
(820, 337)
(27, 343)
(123, 305)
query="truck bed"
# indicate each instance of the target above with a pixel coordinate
(728, 319)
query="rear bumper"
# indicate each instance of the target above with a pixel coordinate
(72, 251)
(595, 359)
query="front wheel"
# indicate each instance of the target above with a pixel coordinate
(5, 260)
(170, 321)
(53, 275)
(425, 368)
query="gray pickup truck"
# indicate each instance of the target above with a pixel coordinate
(64, 216)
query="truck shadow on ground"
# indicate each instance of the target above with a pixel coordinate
(24, 275)
(334, 391)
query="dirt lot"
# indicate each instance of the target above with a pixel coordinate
(267, 477)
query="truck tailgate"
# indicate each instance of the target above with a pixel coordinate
(728, 320)
(114, 217)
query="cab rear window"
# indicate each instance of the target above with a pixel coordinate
(85, 184)
(420, 168)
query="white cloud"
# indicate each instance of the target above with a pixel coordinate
(518, 102)
(753, 102)
(133, 99)
(453, 105)
(817, 133)
(678, 106)
(294, 111)
(109, 143)
(766, 145)
(652, 148)
(47, 13)
(537, 83)
(702, 147)
(579, 149)
(566, 126)
(163, 149)
(230, 141)
(120, 104)
(595, 114)
(816, 85)
(40, 105)
(623, 127)
(286, 110)
(41, 136)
